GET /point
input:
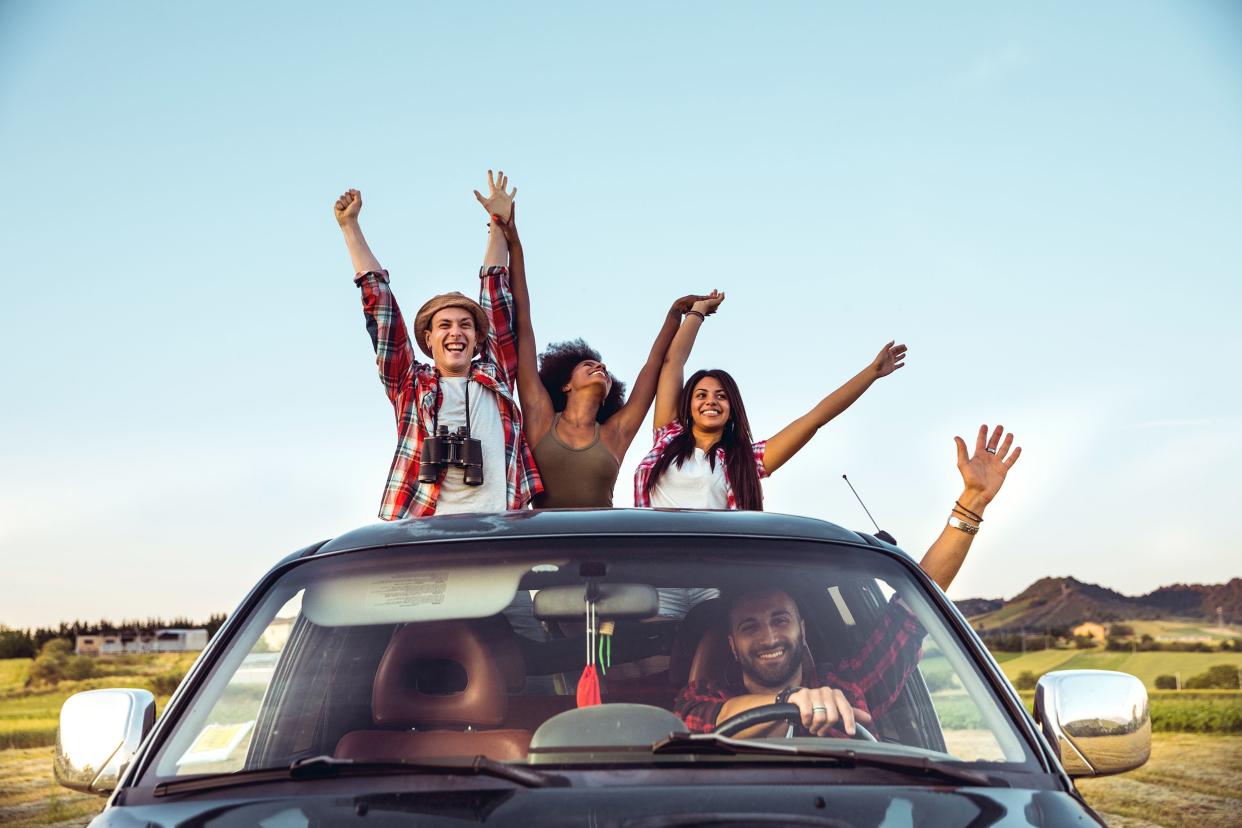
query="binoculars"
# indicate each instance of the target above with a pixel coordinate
(457, 450)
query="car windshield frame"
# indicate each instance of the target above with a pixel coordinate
(735, 547)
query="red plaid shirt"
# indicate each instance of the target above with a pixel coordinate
(665, 435)
(871, 680)
(413, 387)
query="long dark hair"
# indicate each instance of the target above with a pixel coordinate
(557, 363)
(735, 440)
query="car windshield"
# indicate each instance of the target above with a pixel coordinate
(432, 652)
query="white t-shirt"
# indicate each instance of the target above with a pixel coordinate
(485, 425)
(695, 485)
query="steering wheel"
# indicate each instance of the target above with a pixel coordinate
(775, 713)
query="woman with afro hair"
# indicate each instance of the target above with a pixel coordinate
(574, 411)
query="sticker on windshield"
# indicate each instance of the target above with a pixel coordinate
(407, 589)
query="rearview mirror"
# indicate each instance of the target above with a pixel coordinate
(1096, 720)
(562, 603)
(100, 730)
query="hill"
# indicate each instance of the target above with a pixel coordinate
(1060, 603)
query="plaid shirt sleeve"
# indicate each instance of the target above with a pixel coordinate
(699, 703)
(876, 675)
(664, 435)
(758, 449)
(393, 353)
(496, 299)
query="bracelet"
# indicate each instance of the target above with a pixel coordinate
(699, 314)
(967, 516)
(783, 696)
(966, 511)
(963, 526)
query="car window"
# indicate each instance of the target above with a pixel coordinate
(393, 654)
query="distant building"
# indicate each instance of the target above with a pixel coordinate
(131, 641)
(1090, 630)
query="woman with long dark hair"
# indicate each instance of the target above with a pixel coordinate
(574, 411)
(705, 456)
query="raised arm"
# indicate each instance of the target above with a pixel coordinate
(797, 434)
(393, 352)
(495, 292)
(537, 413)
(347, 208)
(982, 477)
(673, 369)
(621, 427)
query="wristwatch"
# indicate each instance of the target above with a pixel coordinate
(783, 696)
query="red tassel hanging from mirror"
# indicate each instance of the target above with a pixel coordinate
(588, 682)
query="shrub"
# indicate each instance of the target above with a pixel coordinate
(1200, 715)
(49, 667)
(1221, 677)
(1166, 682)
(78, 667)
(165, 683)
(1120, 630)
(1026, 680)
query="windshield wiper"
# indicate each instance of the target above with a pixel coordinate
(321, 767)
(712, 744)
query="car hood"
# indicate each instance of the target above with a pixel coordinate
(698, 805)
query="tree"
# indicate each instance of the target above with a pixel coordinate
(1219, 677)
(1166, 682)
(1026, 680)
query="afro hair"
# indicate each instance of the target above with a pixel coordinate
(557, 363)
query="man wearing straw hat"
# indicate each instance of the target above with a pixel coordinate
(462, 404)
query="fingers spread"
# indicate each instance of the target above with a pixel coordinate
(962, 458)
(995, 439)
(1004, 447)
(1013, 458)
(981, 440)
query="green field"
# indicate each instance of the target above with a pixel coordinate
(28, 717)
(1144, 665)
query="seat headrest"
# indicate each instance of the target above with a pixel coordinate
(701, 618)
(397, 699)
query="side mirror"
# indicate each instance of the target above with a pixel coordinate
(100, 731)
(1096, 720)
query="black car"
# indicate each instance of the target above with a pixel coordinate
(428, 671)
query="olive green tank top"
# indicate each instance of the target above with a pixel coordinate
(574, 477)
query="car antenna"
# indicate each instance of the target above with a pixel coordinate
(879, 533)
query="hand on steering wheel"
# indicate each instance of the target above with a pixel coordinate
(792, 713)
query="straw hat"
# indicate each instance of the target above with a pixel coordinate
(422, 322)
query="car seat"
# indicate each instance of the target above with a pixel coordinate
(438, 685)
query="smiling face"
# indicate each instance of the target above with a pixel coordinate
(587, 374)
(452, 339)
(709, 405)
(766, 636)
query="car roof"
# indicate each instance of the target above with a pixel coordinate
(544, 523)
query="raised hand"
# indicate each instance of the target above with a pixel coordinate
(889, 359)
(685, 303)
(708, 304)
(348, 206)
(498, 203)
(984, 473)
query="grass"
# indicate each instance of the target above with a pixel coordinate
(29, 717)
(1191, 780)
(13, 673)
(1144, 665)
(29, 795)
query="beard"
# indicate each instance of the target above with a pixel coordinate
(773, 672)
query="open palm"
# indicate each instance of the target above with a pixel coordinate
(498, 202)
(890, 358)
(984, 473)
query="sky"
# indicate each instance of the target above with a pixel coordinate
(1041, 200)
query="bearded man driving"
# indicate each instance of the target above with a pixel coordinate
(767, 635)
